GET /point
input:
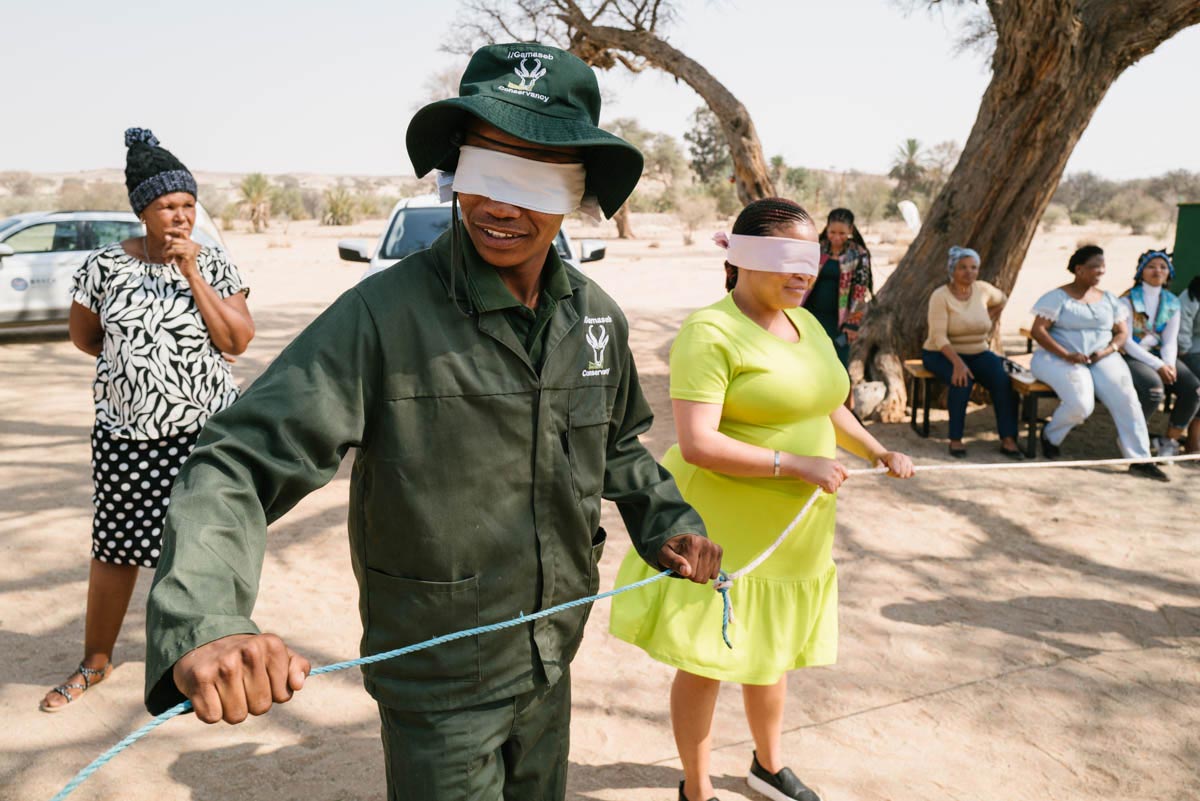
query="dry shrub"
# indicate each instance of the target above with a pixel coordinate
(693, 210)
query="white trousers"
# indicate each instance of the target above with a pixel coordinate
(1079, 386)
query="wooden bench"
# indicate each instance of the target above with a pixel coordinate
(1168, 391)
(918, 385)
(1026, 398)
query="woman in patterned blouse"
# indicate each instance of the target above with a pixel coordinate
(838, 299)
(159, 313)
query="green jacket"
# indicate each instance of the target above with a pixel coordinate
(475, 493)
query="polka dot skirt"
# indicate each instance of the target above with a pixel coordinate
(132, 485)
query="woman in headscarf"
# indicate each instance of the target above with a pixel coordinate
(757, 392)
(962, 313)
(1152, 350)
(158, 312)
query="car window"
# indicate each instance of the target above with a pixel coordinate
(102, 233)
(48, 237)
(413, 230)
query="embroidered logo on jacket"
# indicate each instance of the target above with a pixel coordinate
(597, 340)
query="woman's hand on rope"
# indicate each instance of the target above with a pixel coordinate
(898, 464)
(692, 557)
(828, 474)
(238, 675)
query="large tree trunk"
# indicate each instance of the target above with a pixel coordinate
(1053, 63)
(594, 44)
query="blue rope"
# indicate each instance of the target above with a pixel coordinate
(723, 585)
(520, 620)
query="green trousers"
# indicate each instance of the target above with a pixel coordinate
(510, 750)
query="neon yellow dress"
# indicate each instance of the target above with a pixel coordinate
(778, 395)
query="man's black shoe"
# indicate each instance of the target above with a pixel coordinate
(1149, 470)
(781, 786)
(1048, 450)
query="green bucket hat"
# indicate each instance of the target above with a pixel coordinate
(537, 93)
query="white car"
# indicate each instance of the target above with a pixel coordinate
(416, 222)
(40, 252)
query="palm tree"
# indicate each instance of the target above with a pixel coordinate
(907, 169)
(256, 200)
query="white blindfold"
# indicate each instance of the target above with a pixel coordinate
(535, 185)
(771, 254)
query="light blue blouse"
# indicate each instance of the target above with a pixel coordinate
(1077, 326)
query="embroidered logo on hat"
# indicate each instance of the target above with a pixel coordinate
(529, 77)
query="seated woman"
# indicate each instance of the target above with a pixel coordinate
(961, 316)
(1153, 346)
(1080, 329)
(1189, 346)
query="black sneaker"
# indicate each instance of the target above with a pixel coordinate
(1049, 450)
(683, 797)
(781, 786)
(1149, 470)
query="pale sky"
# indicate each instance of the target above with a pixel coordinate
(307, 86)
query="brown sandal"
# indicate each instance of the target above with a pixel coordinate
(90, 676)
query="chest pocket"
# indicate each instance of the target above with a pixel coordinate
(587, 439)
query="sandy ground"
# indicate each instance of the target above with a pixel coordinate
(1011, 635)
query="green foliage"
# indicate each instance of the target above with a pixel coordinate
(313, 201)
(709, 152)
(921, 172)
(868, 197)
(665, 165)
(287, 201)
(341, 207)
(1085, 195)
(255, 191)
(907, 169)
(1054, 216)
(694, 208)
(1137, 209)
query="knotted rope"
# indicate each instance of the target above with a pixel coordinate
(722, 585)
(724, 582)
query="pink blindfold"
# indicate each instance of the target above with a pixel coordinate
(771, 254)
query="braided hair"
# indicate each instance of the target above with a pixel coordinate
(846, 217)
(763, 218)
(1082, 255)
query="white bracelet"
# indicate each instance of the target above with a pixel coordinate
(776, 464)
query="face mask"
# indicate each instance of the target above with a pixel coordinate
(526, 183)
(771, 254)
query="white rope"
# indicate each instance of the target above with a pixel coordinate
(725, 582)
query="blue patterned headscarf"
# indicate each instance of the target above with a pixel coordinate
(1149, 256)
(957, 253)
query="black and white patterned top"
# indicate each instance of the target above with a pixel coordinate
(158, 373)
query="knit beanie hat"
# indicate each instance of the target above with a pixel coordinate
(152, 171)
